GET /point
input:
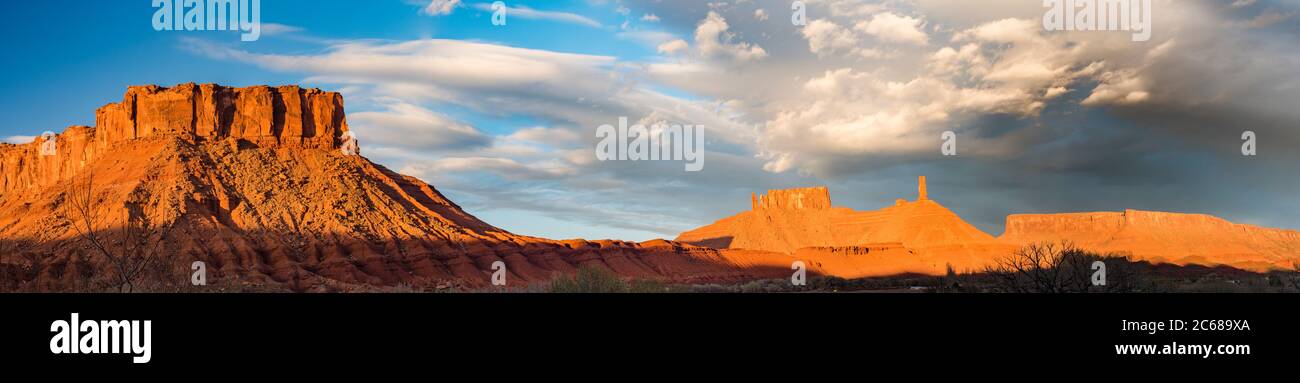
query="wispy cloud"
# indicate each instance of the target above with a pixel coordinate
(398, 90)
(17, 140)
(437, 7)
(272, 29)
(535, 14)
(406, 125)
(862, 92)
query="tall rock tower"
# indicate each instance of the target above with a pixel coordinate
(920, 190)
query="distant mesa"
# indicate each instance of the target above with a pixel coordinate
(925, 236)
(922, 236)
(267, 186)
(1160, 237)
(803, 198)
(789, 219)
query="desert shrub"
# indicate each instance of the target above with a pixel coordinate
(711, 288)
(826, 283)
(654, 286)
(1059, 268)
(766, 286)
(950, 282)
(590, 279)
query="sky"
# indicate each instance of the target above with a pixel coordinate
(857, 97)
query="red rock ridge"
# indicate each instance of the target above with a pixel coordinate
(926, 236)
(286, 116)
(1163, 237)
(800, 198)
(251, 182)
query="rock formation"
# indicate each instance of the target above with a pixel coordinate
(287, 116)
(921, 194)
(267, 187)
(254, 182)
(920, 236)
(1163, 237)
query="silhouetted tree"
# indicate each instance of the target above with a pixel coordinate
(1059, 268)
(130, 249)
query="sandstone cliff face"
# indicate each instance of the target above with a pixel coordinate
(1163, 237)
(922, 235)
(813, 198)
(250, 181)
(286, 116)
(23, 167)
(802, 222)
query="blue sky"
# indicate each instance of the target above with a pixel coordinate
(74, 56)
(79, 55)
(501, 118)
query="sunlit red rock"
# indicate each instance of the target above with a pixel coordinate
(1164, 237)
(266, 186)
(927, 238)
(918, 236)
(254, 183)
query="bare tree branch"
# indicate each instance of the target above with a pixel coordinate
(138, 241)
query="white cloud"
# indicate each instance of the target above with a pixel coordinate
(1007, 67)
(525, 12)
(894, 28)
(851, 113)
(1120, 89)
(505, 167)
(833, 83)
(271, 29)
(573, 92)
(673, 47)
(1008, 30)
(944, 66)
(438, 69)
(19, 140)
(712, 39)
(650, 17)
(825, 37)
(440, 7)
(406, 125)
(555, 137)
(647, 38)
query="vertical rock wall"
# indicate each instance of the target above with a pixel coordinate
(286, 116)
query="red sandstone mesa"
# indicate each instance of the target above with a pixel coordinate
(918, 236)
(1164, 237)
(924, 237)
(253, 183)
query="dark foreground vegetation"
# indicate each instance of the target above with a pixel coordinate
(1038, 268)
(1053, 268)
